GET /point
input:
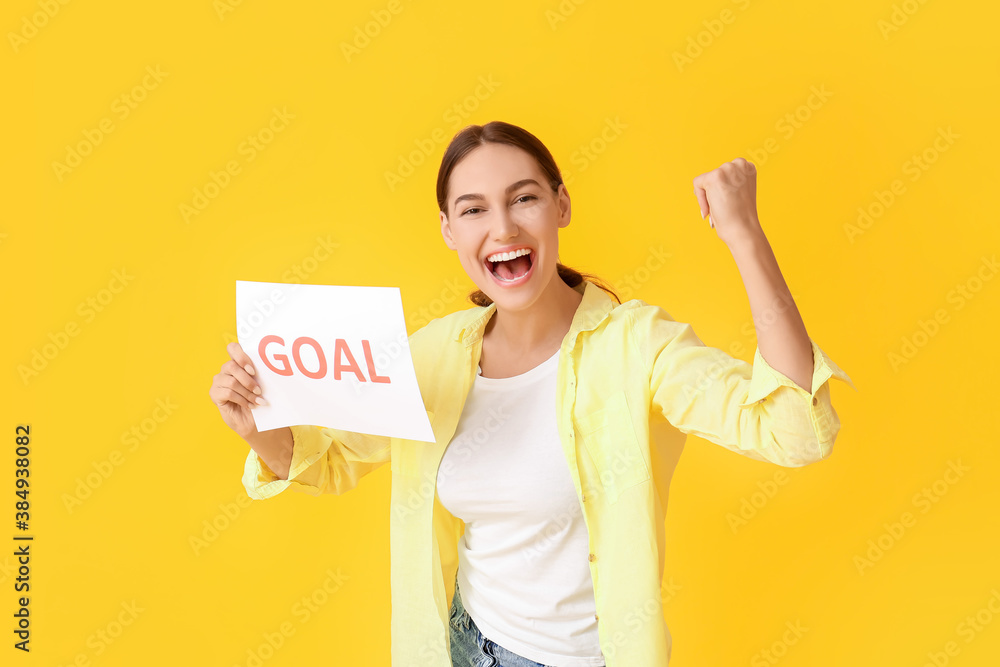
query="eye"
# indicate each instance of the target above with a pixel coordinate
(524, 198)
(471, 209)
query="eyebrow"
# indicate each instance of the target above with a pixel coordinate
(510, 188)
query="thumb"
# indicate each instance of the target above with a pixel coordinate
(702, 201)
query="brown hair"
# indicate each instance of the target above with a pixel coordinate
(499, 132)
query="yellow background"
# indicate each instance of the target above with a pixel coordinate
(563, 71)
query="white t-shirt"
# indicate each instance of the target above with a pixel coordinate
(523, 566)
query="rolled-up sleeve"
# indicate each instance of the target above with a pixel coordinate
(324, 460)
(753, 410)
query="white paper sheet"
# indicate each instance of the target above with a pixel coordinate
(312, 333)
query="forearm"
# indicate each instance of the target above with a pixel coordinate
(781, 333)
(274, 447)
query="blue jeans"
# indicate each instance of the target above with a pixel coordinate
(469, 648)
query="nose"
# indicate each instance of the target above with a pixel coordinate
(504, 226)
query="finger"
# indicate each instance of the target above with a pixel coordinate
(221, 394)
(702, 201)
(237, 354)
(232, 384)
(234, 397)
(241, 376)
(222, 390)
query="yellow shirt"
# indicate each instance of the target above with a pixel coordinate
(632, 383)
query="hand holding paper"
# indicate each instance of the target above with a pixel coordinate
(331, 355)
(235, 392)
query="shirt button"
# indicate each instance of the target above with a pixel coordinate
(815, 400)
(592, 558)
(761, 400)
(596, 618)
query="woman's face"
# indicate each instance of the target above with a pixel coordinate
(499, 200)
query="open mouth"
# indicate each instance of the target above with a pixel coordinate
(512, 266)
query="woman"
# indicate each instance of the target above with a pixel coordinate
(559, 416)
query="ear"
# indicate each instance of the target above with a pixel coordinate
(446, 232)
(565, 209)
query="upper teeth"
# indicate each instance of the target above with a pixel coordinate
(504, 256)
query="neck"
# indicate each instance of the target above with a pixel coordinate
(544, 324)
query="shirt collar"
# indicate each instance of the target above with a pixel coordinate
(594, 307)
